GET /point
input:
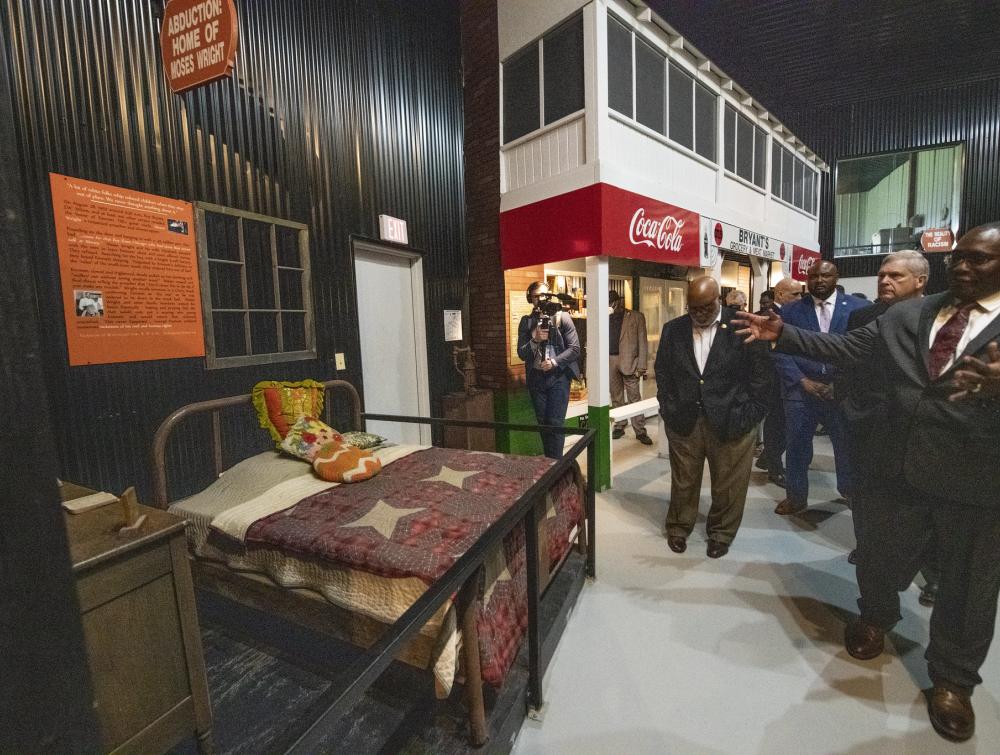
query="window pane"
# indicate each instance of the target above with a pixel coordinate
(290, 283)
(288, 246)
(730, 126)
(744, 148)
(520, 94)
(226, 285)
(808, 191)
(776, 168)
(760, 157)
(787, 174)
(230, 334)
(706, 127)
(681, 107)
(799, 183)
(650, 87)
(619, 67)
(257, 251)
(264, 332)
(222, 237)
(562, 50)
(293, 331)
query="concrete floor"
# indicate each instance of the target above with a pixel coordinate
(670, 653)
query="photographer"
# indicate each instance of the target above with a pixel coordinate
(548, 344)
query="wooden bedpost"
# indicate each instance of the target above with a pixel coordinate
(468, 604)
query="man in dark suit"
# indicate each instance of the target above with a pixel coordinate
(785, 292)
(807, 387)
(938, 359)
(628, 347)
(550, 357)
(713, 392)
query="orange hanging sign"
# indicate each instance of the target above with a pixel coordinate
(198, 41)
(129, 270)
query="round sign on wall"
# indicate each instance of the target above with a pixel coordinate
(198, 41)
(937, 240)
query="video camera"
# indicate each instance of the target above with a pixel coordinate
(547, 306)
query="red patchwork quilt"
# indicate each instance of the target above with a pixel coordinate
(421, 514)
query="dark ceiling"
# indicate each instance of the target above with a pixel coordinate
(793, 55)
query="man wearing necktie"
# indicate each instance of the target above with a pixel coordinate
(938, 362)
(807, 387)
(713, 391)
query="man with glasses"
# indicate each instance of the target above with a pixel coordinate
(713, 392)
(938, 361)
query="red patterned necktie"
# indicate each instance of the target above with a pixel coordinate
(946, 340)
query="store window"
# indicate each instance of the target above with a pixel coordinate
(256, 298)
(885, 202)
(663, 97)
(793, 180)
(549, 70)
(746, 147)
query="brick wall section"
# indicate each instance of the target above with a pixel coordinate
(487, 307)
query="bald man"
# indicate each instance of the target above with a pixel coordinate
(713, 392)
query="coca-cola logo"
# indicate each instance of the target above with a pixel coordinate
(664, 234)
(805, 263)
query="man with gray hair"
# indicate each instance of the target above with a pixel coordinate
(737, 300)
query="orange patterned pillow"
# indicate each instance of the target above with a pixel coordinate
(339, 462)
(280, 404)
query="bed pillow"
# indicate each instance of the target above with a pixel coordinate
(307, 436)
(363, 440)
(339, 462)
(280, 404)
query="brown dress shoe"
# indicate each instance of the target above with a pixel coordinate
(951, 714)
(790, 506)
(677, 544)
(863, 640)
(716, 549)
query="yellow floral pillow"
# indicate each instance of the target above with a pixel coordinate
(280, 404)
(307, 436)
(339, 462)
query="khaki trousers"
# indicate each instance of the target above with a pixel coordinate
(625, 390)
(729, 467)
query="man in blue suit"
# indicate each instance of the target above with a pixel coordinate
(807, 387)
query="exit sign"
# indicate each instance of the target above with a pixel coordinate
(392, 229)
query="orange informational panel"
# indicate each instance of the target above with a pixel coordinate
(129, 272)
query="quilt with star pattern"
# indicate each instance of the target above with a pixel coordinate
(420, 515)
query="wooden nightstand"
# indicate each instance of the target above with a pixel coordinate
(141, 629)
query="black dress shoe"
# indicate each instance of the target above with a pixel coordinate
(644, 439)
(951, 714)
(778, 478)
(616, 434)
(716, 549)
(852, 557)
(863, 640)
(761, 463)
(928, 593)
(677, 544)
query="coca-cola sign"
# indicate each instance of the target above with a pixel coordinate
(802, 260)
(664, 233)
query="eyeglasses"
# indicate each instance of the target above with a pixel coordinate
(971, 258)
(706, 308)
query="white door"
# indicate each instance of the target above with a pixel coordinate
(393, 340)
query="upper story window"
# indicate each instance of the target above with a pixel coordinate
(255, 286)
(660, 95)
(746, 148)
(543, 81)
(884, 203)
(793, 180)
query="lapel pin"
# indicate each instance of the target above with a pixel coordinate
(723, 324)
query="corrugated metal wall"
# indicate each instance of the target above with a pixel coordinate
(336, 112)
(968, 113)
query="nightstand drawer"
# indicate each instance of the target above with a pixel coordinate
(117, 578)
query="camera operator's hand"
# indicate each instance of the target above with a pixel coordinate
(539, 335)
(547, 365)
(641, 372)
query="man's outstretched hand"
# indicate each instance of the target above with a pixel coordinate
(758, 327)
(976, 378)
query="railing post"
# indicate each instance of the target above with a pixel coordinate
(591, 510)
(535, 700)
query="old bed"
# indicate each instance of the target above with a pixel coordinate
(355, 559)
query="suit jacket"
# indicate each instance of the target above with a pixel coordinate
(802, 314)
(859, 385)
(945, 448)
(564, 342)
(732, 392)
(633, 348)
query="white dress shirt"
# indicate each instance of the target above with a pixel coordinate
(703, 338)
(824, 311)
(983, 314)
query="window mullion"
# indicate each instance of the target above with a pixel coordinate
(275, 280)
(243, 284)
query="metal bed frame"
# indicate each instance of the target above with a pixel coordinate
(462, 578)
